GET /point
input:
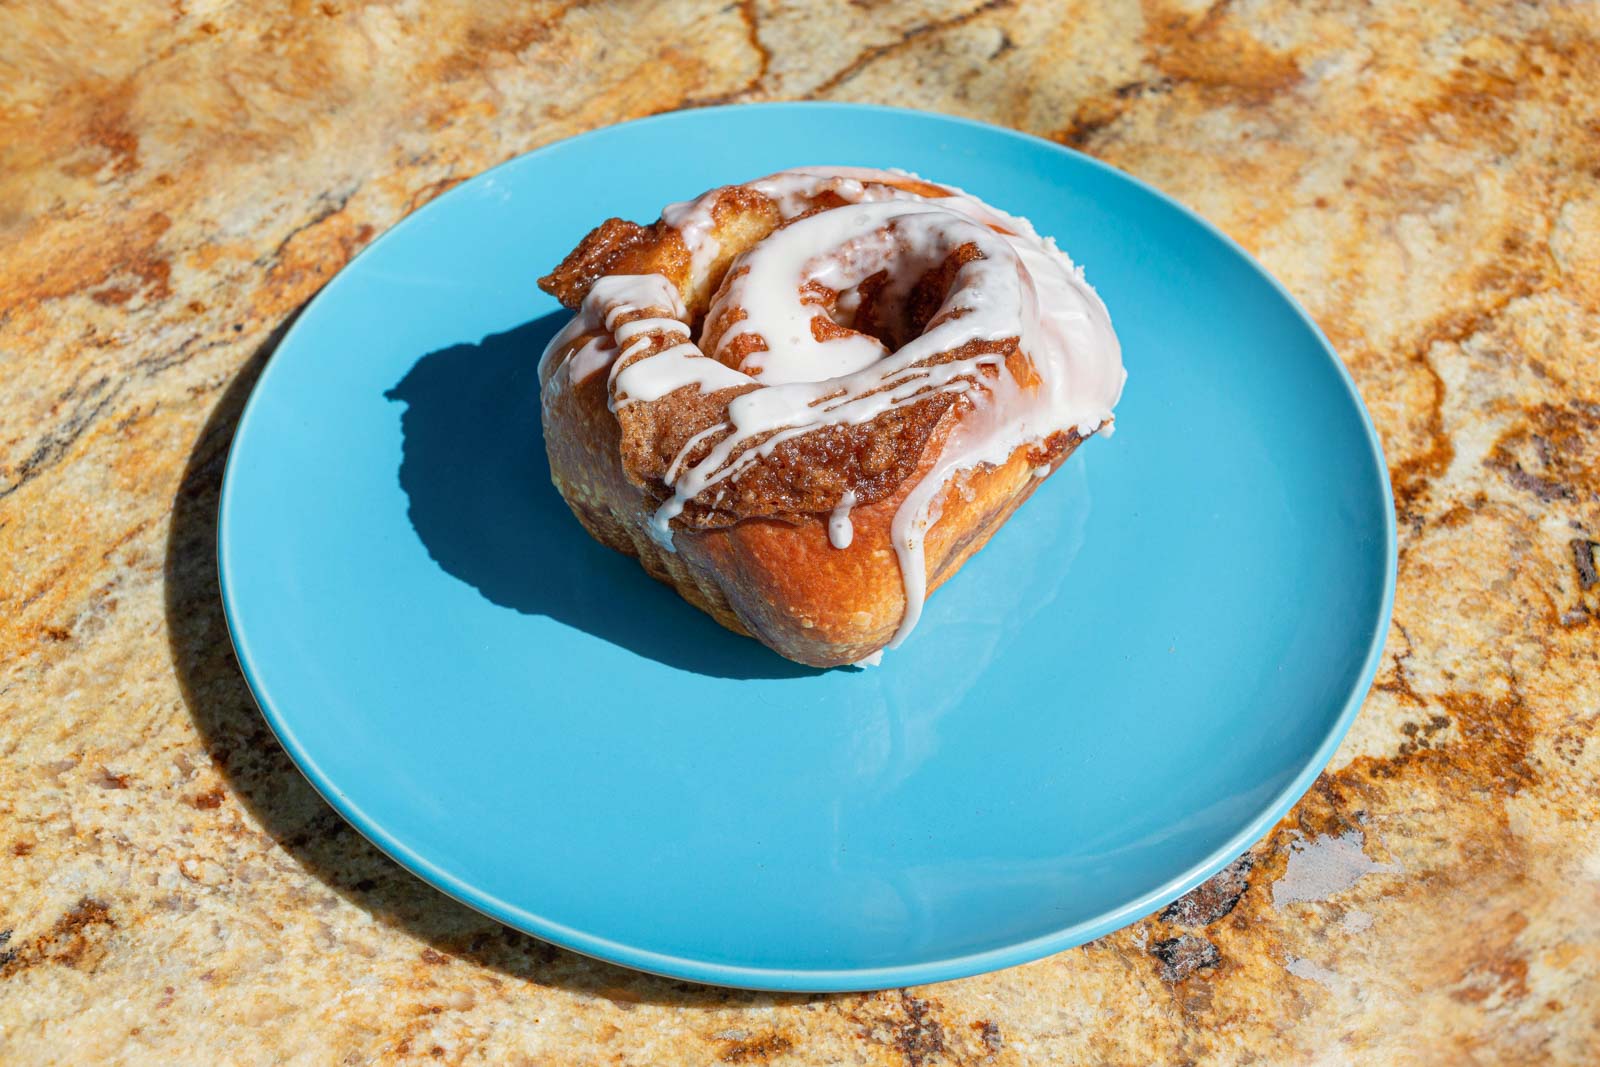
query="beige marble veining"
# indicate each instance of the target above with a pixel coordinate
(177, 179)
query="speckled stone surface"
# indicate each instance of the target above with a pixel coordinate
(177, 179)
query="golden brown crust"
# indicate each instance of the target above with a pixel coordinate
(753, 550)
(780, 581)
(742, 217)
(617, 246)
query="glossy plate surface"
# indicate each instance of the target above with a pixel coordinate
(1139, 675)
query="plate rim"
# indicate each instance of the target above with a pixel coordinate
(807, 980)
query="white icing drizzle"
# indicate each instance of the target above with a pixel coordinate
(629, 330)
(792, 190)
(688, 447)
(595, 355)
(609, 299)
(840, 532)
(672, 368)
(1022, 286)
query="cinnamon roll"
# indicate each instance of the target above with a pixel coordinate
(805, 401)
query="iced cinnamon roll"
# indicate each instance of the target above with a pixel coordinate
(806, 400)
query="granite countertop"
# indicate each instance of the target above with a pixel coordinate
(177, 179)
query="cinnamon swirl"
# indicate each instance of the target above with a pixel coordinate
(806, 400)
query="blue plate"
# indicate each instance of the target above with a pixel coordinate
(1142, 672)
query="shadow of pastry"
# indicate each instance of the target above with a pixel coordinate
(480, 499)
(284, 804)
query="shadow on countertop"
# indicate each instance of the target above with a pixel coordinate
(267, 783)
(477, 481)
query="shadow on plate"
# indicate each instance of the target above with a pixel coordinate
(285, 805)
(480, 499)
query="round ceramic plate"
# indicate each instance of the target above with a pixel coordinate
(1141, 673)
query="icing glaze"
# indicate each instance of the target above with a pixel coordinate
(840, 532)
(1020, 290)
(610, 298)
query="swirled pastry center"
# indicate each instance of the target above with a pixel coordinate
(894, 328)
